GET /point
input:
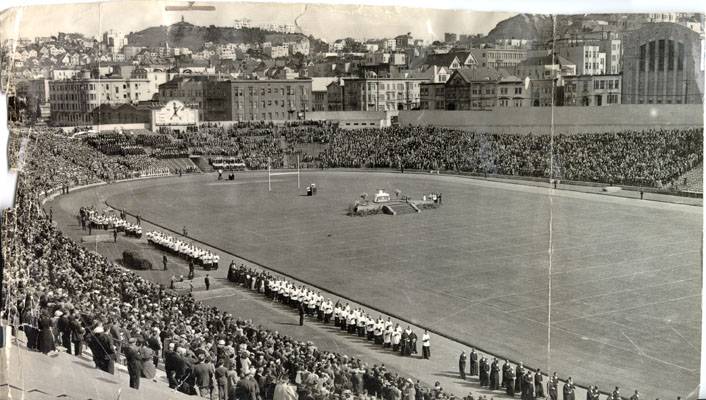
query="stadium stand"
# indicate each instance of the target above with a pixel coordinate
(91, 302)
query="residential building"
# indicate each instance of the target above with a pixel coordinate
(334, 95)
(589, 60)
(277, 51)
(431, 96)
(394, 58)
(61, 74)
(512, 92)
(381, 94)
(114, 40)
(545, 67)
(663, 64)
(404, 41)
(592, 90)
(36, 95)
(73, 100)
(502, 57)
(319, 92)
(450, 37)
(389, 44)
(188, 89)
(257, 100)
(483, 88)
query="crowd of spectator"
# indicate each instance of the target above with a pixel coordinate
(652, 158)
(63, 296)
(256, 150)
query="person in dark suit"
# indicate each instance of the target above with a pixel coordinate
(519, 374)
(553, 387)
(527, 386)
(462, 365)
(509, 381)
(494, 375)
(46, 336)
(484, 371)
(134, 362)
(538, 383)
(301, 313)
(63, 324)
(506, 368)
(473, 356)
(77, 334)
(106, 350)
(569, 390)
(413, 342)
(247, 388)
(170, 365)
(207, 282)
(164, 261)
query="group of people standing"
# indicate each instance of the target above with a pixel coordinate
(312, 304)
(183, 249)
(512, 380)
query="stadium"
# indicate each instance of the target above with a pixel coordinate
(594, 276)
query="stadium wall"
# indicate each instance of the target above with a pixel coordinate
(567, 120)
(107, 127)
(352, 119)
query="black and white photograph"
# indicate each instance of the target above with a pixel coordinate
(290, 201)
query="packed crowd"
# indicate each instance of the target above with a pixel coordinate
(256, 149)
(652, 158)
(188, 251)
(63, 296)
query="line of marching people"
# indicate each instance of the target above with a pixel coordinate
(529, 384)
(183, 249)
(312, 304)
(91, 219)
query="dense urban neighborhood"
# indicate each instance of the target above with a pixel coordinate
(270, 72)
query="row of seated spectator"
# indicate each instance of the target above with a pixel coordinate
(651, 158)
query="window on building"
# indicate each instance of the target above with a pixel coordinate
(602, 84)
(651, 55)
(680, 56)
(617, 83)
(670, 55)
(660, 55)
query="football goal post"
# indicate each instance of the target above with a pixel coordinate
(270, 174)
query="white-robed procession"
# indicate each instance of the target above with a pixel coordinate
(183, 249)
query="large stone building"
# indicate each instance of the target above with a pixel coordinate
(477, 89)
(257, 100)
(663, 64)
(381, 94)
(591, 90)
(72, 101)
(589, 60)
(186, 89)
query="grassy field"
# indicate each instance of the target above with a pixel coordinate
(625, 275)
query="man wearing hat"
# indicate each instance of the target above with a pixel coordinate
(203, 374)
(247, 388)
(134, 362)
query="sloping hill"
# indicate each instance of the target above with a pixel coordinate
(523, 26)
(184, 34)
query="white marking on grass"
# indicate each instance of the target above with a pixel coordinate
(639, 350)
(682, 337)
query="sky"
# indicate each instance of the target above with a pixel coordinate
(328, 22)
